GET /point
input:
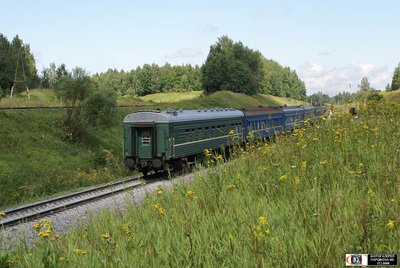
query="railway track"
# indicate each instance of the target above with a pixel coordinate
(33, 211)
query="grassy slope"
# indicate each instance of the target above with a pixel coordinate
(39, 97)
(36, 161)
(392, 95)
(304, 201)
(172, 96)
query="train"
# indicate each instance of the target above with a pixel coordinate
(157, 140)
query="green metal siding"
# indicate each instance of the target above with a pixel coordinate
(194, 137)
(127, 140)
(180, 139)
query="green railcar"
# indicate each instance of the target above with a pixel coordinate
(156, 140)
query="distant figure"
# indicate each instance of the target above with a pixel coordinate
(353, 111)
(330, 113)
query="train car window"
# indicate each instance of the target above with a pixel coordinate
(146, 139)
(187, 135)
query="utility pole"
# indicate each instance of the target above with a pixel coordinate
(23, 79)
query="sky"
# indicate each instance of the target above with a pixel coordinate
(331, 44)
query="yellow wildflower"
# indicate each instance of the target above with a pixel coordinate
(207, 153)
(231, 132)
(262, 220)
(303, 165)
(105, 236)
(190, 194)
(230, 237)
(80, 251)
(44, 234)
(159, 191)
(370, 192)
(2, 214)
(282, 178)
(390, 224)
(161, 211)
(231, 186)
(219, 157)
(297, 180)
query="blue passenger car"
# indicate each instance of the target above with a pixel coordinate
(263, 122)
(293, 116)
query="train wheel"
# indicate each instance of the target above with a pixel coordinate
(145, 171)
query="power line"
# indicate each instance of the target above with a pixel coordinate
(23, 79)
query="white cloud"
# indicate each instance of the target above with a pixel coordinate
(318, 77)
(208, 28)
(326, 53)
(189, 52)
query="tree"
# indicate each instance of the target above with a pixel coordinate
(343, 97)
(319, 97)
(48, 76)
(88, 106)
(396, 78)
(364, 85)
(281, 81)
(232, 66)
(7, 64)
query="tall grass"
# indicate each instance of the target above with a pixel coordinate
(37, 161)
(303, 201)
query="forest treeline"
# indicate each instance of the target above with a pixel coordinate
(9, 51)
(239, 68)
(229, 66)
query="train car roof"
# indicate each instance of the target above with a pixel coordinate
(181, 115)
(261, 111)
(309, 107)
(293, 108)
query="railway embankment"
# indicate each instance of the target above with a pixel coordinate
(305, 200)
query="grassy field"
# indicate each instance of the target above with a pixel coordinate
(38, 97)
(304, 201)
(392, 95)
(37, 161)
(172, 96)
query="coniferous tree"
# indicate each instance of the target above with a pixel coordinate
(364, 85)
(396, 78)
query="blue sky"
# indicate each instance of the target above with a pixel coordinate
(330, 44)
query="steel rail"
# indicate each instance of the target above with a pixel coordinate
(11, 218)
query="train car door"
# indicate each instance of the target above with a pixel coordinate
(145, 142)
